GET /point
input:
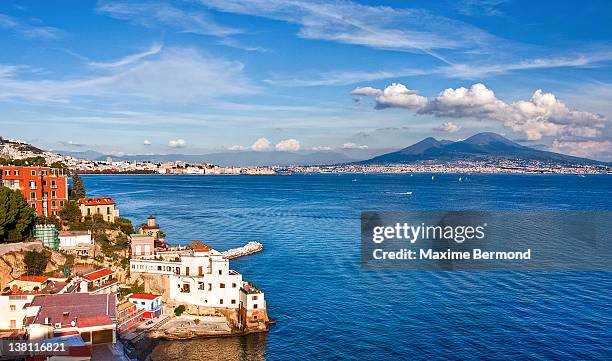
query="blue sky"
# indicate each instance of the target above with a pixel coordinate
(210, 75)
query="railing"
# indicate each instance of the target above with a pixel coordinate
(102, 285)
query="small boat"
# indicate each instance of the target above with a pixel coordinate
(354, 180)
(460, 180)
(407, 193)
(432, 177)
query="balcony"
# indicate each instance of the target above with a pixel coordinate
(94, 287)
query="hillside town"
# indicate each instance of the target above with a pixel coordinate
(17, 149)
(105, 288)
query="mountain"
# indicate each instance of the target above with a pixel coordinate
(86, 155)
(479, 147)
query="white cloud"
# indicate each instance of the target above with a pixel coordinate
(71, 143)
(542, 115)
(354, 146)
(397, 95)
(321, 149)
(130, 59)
(176, 75)
(583, 148)
(449, 127)
(367, 91)
(288, 145)
(27, 30)
(261, 144)
(177, 143)
(348, 22)
(147, 142)
(151, 14)
(238, 148)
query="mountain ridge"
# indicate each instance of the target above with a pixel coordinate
(485, 146)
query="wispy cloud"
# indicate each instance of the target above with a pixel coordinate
(155, 13)
(130, 59)
(179, 75)
(152, 14)
(29, 30)
(377, 27)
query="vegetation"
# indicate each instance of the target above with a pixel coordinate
(16, 216)
(36, 262)
(78, 188)
(49, 220)
(24, 162)
(179, 310)
(125, 225)
(71, 212)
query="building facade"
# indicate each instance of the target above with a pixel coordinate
(104, 206)
(45, 188)
(150, 304)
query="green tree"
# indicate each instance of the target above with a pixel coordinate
(179, 310)
(36, 262)
(16, 216)
(71, 212)
(78, 188)
(125, 225)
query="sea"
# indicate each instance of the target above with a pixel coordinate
(328, 308)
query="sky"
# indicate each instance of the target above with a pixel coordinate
(204, 76)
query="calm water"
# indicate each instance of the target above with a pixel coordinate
(328, 309)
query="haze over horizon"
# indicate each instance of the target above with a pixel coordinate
(208, 76)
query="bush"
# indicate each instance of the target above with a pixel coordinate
(36, 262)
(179, 310)
(125, 225)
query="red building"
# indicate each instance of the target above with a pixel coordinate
(45, 188)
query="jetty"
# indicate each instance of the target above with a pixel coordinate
(247, 249)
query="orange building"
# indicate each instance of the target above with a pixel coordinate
(45, 188)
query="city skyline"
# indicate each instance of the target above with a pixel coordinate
(204, 76)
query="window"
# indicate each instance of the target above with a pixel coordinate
(33, 172)
(32, 195)
(221, 285)
(13, 324)
(233, 302)
(61, 203)
(220, 272)
(52, 203)
(200, 271)
(32, 184)
(221, 301)
(13, 308)
(254, 298)
(52, 194)
(187, 271)
(44, 183)
(98, 210)
(7, 172)
(53, 185)
(107, 210)
(210, 286)
(255, 306)
(89, 211)
(233, 285)
(16, 172)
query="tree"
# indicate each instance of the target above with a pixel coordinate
(179, 310)
(36, 262)
(16, 216)
(78, 188)
(71, 212)
(125, 225)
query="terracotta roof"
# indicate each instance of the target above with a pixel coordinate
(98, 274)
(39, 279)
(74, 305)
(94, 321)
(146, 226)
(97, 201)
(143, 296)
(205, 249)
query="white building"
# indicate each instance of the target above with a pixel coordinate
(74, 238)
(202, 277)
(13, 310)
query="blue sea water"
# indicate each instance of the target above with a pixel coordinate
(328, 309)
